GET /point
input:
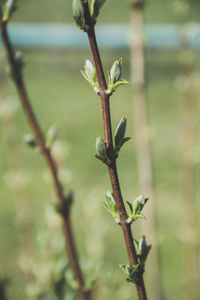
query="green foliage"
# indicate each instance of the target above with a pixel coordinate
(51, 136)
(114, 76)
(15, 70)
(111, 206)
(101, 151)
(95, 8)
(78, 8)
(142, 250)
(133, 273)
(8, 8)
(79, 13)
(30, 140)
(120, 138)
(90, 75)
(65, 209)
(136, 208)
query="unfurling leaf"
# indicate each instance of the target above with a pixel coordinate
(114, 76)
(120, 132)
(51, 136)
(78, 14)
(142, 250)
(15, 69)
(64, 210)
(133, 273)
(8, 8)
(95, 8)
(136, 208)
(30, 140)
(101, 151)
(90, 75)
(111, 206)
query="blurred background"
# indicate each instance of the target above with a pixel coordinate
(32, 252)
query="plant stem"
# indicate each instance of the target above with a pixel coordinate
(112, 168)
(20, 86)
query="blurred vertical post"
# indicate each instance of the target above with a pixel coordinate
(144, 157)
(187, 171)
(188, 87)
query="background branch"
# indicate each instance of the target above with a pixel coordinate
(72, 253)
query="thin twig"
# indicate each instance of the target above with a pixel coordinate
(112, 168)
(20, 86)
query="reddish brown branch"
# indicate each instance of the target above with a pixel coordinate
(112, 168)
(70, 245)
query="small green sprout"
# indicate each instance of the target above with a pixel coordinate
(133, 273)
(101, 151)
(111, 206)
(90, 75)
(120, 138)
(114, 76)
(136, 208)
(78, 8)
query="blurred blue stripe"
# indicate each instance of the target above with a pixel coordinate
(109, 36)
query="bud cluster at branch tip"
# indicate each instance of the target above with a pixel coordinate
(79, 13)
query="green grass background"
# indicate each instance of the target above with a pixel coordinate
(61, 96)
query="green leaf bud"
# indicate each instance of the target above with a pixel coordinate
(101, 151)
(78, 14)
(15, 70)
(8, 8)
(136, 208)
(51, 136)
(19, 61)
(100, 146)
(95, 8)
(111, 206)
(30, 140)
(139, 203)
(116, 71)
(90, 75)
(133, 273)
(114, 76)
(120, 132)
(142, 250)
(64, 210)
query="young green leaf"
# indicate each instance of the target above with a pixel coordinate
(133, 273)
(136, 208)
(15, 70)
(51, 136)
(142, 250)
(78, 14)
(64, 210)
(90, 75)
(8, 8)
(114, 76)
(111, 206)
(120, 138)
(95, 8)
(101, 151)
(30, 140)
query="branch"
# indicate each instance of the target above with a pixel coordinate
(20, 86)
(112, 168)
